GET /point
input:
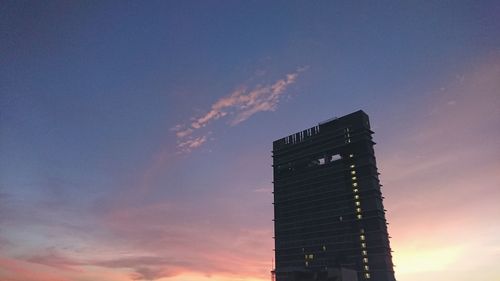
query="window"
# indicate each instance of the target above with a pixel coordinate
(321, 161)
(362, 237)
(354, 178)
(364, 252)
(307, 263)
(355, 190)
(363, 245)
(367, 275)
(359, 216)
(335, 157)
(358, 210)
(362, 230)
(311, 256)
(355, 184)
(357, 203)
(366, 267)
(351, 155)
(352, 166)
(356, 196)
(353, 172)
(324, 248)
(365, 260)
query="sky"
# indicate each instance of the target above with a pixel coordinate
(136, 137)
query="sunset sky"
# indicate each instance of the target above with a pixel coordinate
(136, 137)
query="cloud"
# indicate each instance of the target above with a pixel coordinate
(191, 143)
(143, 267)
(15, 270)
(238, 106)
(170, 239)
(53, 259)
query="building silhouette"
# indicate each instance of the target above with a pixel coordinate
(328, 211)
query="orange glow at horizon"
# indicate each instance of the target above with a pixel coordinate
(416, 259)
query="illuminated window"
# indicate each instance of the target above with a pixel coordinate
(351, 155)
(353, 172)
(367, 275)
(324, 248)
(364, 252)
(362, 230)
(357, 203)
(356, 196)
(307, 263)
(365, 260)
(358, 210)
(354, 184)
(311, 256)
(363, 245)
(335, 157)
(355, 190)
(305, 257)
(359, 216)
(354, 178)
(362, 237)
(352, 166)
(366, 267)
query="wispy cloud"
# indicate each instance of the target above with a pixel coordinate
(157, 241)
(238, 106)
(141, 267)
(192, 143)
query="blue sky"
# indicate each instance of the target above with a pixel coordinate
(97, 182)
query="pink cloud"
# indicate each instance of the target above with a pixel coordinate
(15, 270)
(192, 143)
(169, 240)
(53, 259)
(240, 105)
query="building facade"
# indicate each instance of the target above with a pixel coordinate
(328, 211)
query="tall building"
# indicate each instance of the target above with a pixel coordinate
(328, 211)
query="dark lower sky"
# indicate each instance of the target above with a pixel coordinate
(135, 137)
